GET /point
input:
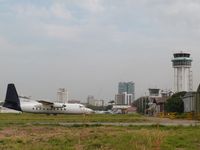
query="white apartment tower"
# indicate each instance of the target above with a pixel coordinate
(182, 64)
(62, 95)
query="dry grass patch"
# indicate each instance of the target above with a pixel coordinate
(96, 138)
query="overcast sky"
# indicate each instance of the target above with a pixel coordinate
(88, 46)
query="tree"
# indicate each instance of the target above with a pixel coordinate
(175, 103)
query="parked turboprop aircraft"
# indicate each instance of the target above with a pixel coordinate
(13, 101)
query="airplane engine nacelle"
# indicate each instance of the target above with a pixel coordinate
(58, 105)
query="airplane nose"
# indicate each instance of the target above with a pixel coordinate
(89, 111)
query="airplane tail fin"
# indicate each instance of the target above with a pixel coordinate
(12, 99)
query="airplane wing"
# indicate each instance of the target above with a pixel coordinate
(52, 104)
(45, 102)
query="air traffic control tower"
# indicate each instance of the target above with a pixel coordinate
(182, 64)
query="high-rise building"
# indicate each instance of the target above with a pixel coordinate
(126, 93)
(62, 95)
(182, 64)
(124, 99)
(128, 87)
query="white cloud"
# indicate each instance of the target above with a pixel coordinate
(6, 45)
(55, 10)
(182, 15)
(59, 10)
(2, 41)
(94, 6)
(63, 32)
(30, 10)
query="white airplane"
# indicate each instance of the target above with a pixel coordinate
(13, 101)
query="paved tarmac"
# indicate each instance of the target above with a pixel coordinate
(129, 124)
(150, 121)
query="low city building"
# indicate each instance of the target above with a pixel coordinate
(94, 102)
(192, 101)
(131, 110)
(153, 103)
(124, 109)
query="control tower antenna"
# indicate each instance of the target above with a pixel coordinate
(183, 79)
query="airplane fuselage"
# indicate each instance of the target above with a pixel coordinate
(32, 106)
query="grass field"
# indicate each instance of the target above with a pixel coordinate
(18, 133)
(42, 118)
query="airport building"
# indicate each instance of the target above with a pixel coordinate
(126, 93)
(182, 64)
(153, 103)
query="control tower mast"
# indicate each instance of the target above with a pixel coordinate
(182, 64)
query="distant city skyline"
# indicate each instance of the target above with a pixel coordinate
(89, 46)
